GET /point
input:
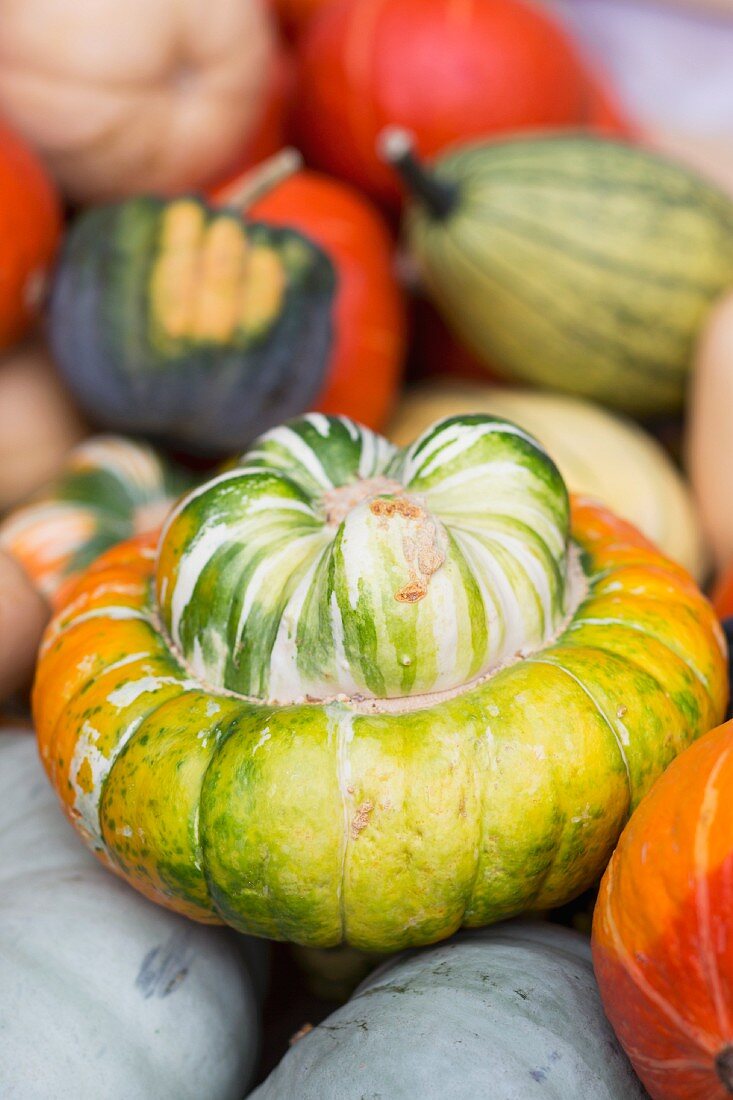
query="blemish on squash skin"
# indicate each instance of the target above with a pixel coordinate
(165, 967)
(361, 819)
(421, 544)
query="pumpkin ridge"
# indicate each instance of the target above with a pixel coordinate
(708, 811)
(696, 1034)
(599, 709)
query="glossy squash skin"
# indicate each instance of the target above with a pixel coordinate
(132, 1002)
(180, 321)
(369, 316)
(109, 489)
(514, 1005)
(662, 942)
(30, 229)
(379, 815)
(572, 263)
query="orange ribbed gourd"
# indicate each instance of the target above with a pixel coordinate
(663, 928)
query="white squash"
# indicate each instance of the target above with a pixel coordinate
(599, 454)
(105, 996)
(709, 443)
(136, 96)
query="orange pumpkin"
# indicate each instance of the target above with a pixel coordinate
(39, 422)
(30, 225)
(446, 71)
(663, 928)
(121, 98)
(369, 314)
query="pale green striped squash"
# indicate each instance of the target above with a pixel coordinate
(573, 263)
(362, 694)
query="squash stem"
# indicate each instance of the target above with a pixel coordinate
(724, 1068)
(261, 180)
(397, 147)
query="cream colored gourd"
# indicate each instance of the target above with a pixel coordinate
(599, 454)
(710, 431)
(105, 995)
(126, 97)
(39, 422)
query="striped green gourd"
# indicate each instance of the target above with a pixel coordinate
(109, 489)
(303, 573)
(571, 262)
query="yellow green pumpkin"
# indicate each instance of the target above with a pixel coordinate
(356, 693)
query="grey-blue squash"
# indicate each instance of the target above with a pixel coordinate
(507, 1013)
(106, 996)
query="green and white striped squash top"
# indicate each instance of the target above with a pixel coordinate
(330, 564)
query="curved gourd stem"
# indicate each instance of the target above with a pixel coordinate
(397, 148)
(262, 179)
(724, 1068)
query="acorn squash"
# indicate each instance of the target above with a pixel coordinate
(186, 322)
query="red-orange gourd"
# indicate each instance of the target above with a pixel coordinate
(447, 70)
(369, 312)
(663, 928)
(30, 224)
(295, 15)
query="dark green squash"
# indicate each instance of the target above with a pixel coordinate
(181, 321)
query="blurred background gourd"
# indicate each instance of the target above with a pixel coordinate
(123, 98)
(30, 229)
(570, 262)
(369, 315)
(446, 71)
(39, 421)
(600, 455)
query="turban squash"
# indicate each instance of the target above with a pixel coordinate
(362, 694)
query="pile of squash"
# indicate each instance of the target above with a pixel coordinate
(366, 562)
